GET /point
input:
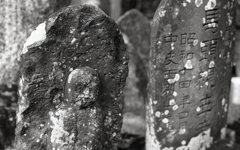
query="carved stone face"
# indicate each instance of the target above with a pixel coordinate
(82, 87)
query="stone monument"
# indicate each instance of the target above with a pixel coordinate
(190, 69)
(73, 69)
(135, 28)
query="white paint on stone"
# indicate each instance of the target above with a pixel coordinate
(204, 74)
(175, 94)
(202, 44)
(172, 102)
(188, 65)
(165, 120)
(223, 101)
(183, 142)
(162, 13)
(195, 42)
(166, 112)
(212, 64)
(198, 109)
(158, 114)
(184, 4)
(226, 108)
(230, 18)
(177, 77)
(37, 37)
(175, 107)
(198, 3)
(206, 83)
(159, 129)
(171, 81)
(182, 131)
(211, 4)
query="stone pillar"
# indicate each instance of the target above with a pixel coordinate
(190, 70)
(72, 79)
(135, 28)
(18, 19)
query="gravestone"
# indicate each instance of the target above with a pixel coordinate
(73, 68)
(190, 69)
(18, 19)
(135, 28)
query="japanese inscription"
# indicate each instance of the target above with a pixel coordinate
(191, 66)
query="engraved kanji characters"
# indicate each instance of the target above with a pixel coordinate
(185, 100)
(170, 58)
(171, 38)
(185, 84)
(210, 22)
(206, 105)
(168, 86)
(188, 38)
(202, 125)
(208, 47)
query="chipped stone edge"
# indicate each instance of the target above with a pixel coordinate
(36, 38)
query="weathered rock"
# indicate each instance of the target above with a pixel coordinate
(18, 18)
(190, 69)
(72, 77)
(135, 28)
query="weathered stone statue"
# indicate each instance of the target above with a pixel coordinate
(190, 68)
(18, 19)
(73, 68)
(135, 28)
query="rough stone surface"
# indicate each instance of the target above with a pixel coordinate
(190, 69)
(135, 28)
(72, 77)
(18, 18)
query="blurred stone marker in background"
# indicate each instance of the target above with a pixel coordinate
(135, 28)
(73, 69)
(190, 72)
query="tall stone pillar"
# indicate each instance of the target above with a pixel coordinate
(190, 69)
